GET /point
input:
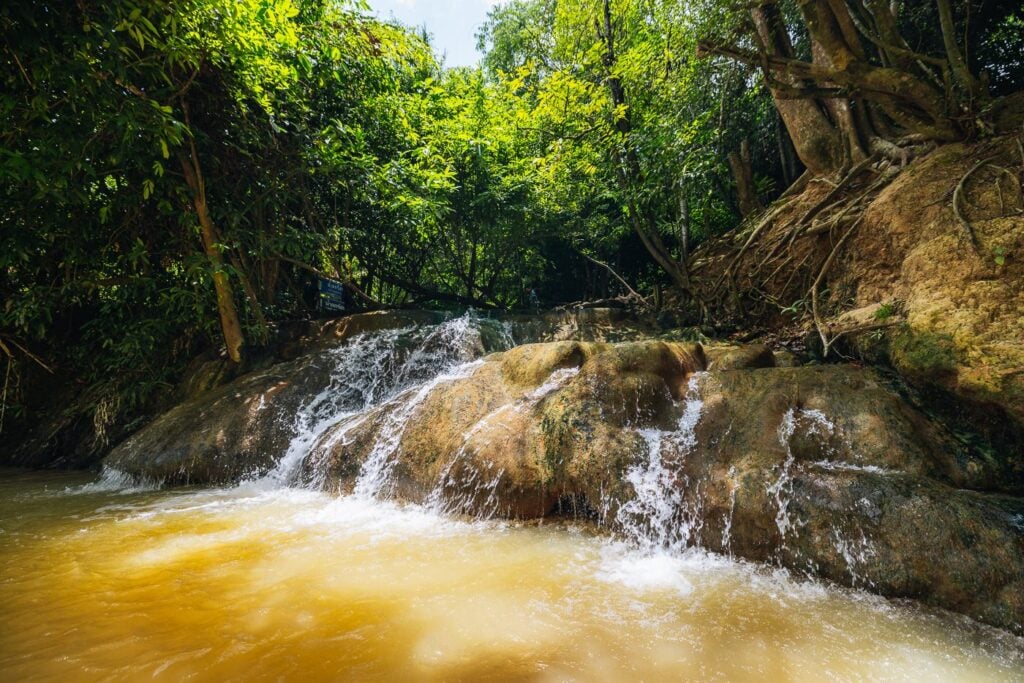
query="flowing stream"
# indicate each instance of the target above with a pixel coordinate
(274, 578)
(291, 583)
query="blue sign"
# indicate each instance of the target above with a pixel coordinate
(332, 296)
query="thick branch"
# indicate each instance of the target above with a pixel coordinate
(632, 292)
(910, 101)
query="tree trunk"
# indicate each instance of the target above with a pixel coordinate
(743, 175)
(906, 98)
(787, 160)
(817, 142)
(963, 75)
(263, 328)
(269, 269)
(684, 225)
(234, 340)
(628, 166)
(830, 105)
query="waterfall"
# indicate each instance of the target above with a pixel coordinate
(388, 375)
(473, 490)
(374, 368)
(660, 514)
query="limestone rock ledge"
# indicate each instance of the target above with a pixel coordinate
(823, 469)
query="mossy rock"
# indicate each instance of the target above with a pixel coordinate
(923, 355)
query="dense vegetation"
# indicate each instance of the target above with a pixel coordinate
(176, 172)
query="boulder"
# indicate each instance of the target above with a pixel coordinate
(722, 358)
(823, 469)
(224, 435)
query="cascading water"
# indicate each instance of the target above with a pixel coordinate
(727, 525)
(374, 476)
(660, 515)
(396, 370)
(309, 570)
(372, 369)
(815, 423)
(473, 491)
(381, 380)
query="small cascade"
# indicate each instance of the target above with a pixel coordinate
(811, 422)
(463, 488)
(660, 515)
(374, 479)
(727, 524)
(371, 369)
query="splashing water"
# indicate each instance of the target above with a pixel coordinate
(855, 551)
(659, 515)
(370, 370)
(112, 480)
(727, 524)
(852, 544)
(814, 422)
(519, 588)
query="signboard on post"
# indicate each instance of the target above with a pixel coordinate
(332, 296)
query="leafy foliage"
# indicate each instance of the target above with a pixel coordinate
(325, 142)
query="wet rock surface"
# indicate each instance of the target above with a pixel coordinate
(225, 435)
(822, 469)
(229, 427)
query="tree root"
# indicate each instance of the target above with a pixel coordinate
(1013, 179)
(902, 151)
(957, 193)
(828, 200)
(762, 224)
(818, 324)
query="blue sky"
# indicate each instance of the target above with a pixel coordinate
(453, 23)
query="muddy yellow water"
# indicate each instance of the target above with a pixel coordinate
(258, 585)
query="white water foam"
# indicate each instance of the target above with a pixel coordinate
(836, 466)
(113, 480)
(369, 371)
(659, 515)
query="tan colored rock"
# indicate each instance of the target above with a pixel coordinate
(538, 434)
(821, 468)
(224, 435)
(964, 331)
(824, 469)
(745, 357)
